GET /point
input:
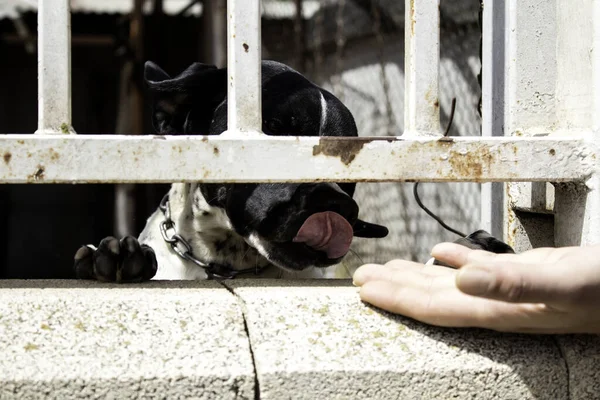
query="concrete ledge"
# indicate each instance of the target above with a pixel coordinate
(75, 340)
(582, 355)
(318, 340)
(263, 339)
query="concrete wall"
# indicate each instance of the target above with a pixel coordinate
(263, 339)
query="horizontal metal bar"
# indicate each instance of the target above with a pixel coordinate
(115, 158)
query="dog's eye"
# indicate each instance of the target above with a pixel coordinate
(274, 125)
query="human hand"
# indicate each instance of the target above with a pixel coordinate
(545, 290)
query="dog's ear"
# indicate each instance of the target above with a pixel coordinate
(369, 230)
(184, 104)
(154, 73)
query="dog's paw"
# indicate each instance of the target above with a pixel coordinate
(116, 260)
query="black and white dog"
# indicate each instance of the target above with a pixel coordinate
(223, 230)
(204, 231)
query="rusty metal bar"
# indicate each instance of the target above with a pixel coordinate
(493, 105)
(54, 67)
(108, 158)
(422, 61)
(244, 68)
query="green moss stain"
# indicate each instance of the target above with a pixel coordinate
(31, 347)
(323, 310)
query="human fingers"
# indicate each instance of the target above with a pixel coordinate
(420, 303)
(458, 255)
(436, 301)
(394, 270)
(516, 282)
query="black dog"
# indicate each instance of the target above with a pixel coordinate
(223, 230)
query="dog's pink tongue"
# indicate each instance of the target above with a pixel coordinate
(328, 232)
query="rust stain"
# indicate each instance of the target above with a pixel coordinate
(205, 138)
(345, 148)
(7, 157)
(471, 164)
(54, 155)
(552, 152)
(446, 139)
(412, 17)
(431, 96)
(21, 141)
(215, 150)
(38, 175)
(511, 225)
(246, 47)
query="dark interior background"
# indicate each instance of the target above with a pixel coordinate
(43, 225)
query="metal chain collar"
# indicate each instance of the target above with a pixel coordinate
(183, 248)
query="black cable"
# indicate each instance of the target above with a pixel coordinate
(452, 110)
(416, 191)
(432, 215)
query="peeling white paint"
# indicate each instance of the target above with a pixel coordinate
(115, 158)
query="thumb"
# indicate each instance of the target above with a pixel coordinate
(514, 282)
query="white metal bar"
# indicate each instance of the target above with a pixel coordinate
(493, 106)
(116, 158)
(244, 67)
(596, 69)
(54, 67)
(577, 217)
(422, 60)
